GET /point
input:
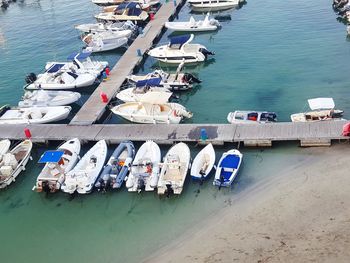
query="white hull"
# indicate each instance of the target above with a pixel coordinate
(84, 175)
(150, 95)
(320, 115)
(43, 98)
(203, 163)
(145, 168)
(106, 45)
(35, 115)
(102, 27)
(53, 174)
(22, 155)
(228, 168)
(194, 26)
(174, 170)
(212, 5)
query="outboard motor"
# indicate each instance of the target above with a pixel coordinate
(141, 184)
(30, 78)
(206, 52)
(190, 78)
(169, 190)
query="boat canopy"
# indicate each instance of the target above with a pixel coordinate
(179, 40)
(321, 103)
(78, 55)
(148, 82)
(133, 8)
(51, 157)
(230, 161)
(55, 67)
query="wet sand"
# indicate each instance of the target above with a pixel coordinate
(300, 215)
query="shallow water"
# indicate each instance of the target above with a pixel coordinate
(270, 56)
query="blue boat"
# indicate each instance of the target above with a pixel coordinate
(228, 168)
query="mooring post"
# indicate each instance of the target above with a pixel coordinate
(139, 53)
(204, 135)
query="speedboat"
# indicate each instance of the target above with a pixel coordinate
(203, 163)
(102, 27)
(180, 50)
(14, 162)
(105, 41)
(4, 147)
(33, 115)
(228, 168)
(84, 175)
(142, 112)
(57, 164)
(44, 98)
(194, 26)
(154, 95)
(117, 167)
(174, 169)
(144, 3)
(251, 117)
(145, 168)
(126, 11)
(322, 109)
(212, 5)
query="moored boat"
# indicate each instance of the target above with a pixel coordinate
(126, 11)
(174, 169)
(102, 27)
(57, 164)
(208, 24)
(203, 163)
(251, 117)
(145, 94)
(228, 168)
(212, 5)
(84, 175)
(144, 171)
(44, 98)
(13, 162)
(105, 41)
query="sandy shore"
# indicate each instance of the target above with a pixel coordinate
(301, 215)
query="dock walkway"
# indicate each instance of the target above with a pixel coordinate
(94, 108)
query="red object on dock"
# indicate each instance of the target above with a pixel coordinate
(27, 133)
(151, 16)
(107, 70)
(346, 129)
(104, 97)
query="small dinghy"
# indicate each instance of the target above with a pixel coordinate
(322, 110)
(212, 5)
(145, 168)
(180, 50)
(4, 147)
(84, 175)
(145, 94)
(142, 112)
(44, 98)
(33, 115)
(203, 163)
(126, 11)
(57, 164)
(102, 27)
(207, 24)
(117, 167)
(105, 41)
(174, 169)
(251, 117)
(13, 162)
(228, 168)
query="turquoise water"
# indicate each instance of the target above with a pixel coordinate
(271, 56)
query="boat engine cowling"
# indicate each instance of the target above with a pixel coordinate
(190, 78)
(206, 52)
(30, 78)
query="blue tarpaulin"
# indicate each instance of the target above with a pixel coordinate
(55, 67)
(148, 82)
(179, 40)
(129, 5)
(51, 157)
(230, 161)
(79, 56)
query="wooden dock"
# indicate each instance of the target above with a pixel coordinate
(94, 108)
(308, 134)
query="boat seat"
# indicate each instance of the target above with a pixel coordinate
(227, 169)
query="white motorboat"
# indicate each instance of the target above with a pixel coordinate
(208, 24)
(180, 50)
(228, 168)
(126, 11)
(152, 113)
(4, 147)
(145, 5)
(44, 98)
(212, 5)
(251, 117)
(33, 115)
(154, 95)
(105, 41)
(144, 172)
(174, 169)
(203, 163)
(13, 162)
(107, 2)
(322, 109)
(102, 27)
(57, 164)
(84, 175)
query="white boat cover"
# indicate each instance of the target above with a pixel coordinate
(156, 97)
(321, 103)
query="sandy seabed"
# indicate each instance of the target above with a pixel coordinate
(300, 215)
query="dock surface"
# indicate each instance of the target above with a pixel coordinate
(93, 108)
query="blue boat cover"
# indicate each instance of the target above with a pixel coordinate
(148, 82)
(130, 5)
(230, 161)
(51, 157)
(77, 55)
(55, 67)
(179, 40)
